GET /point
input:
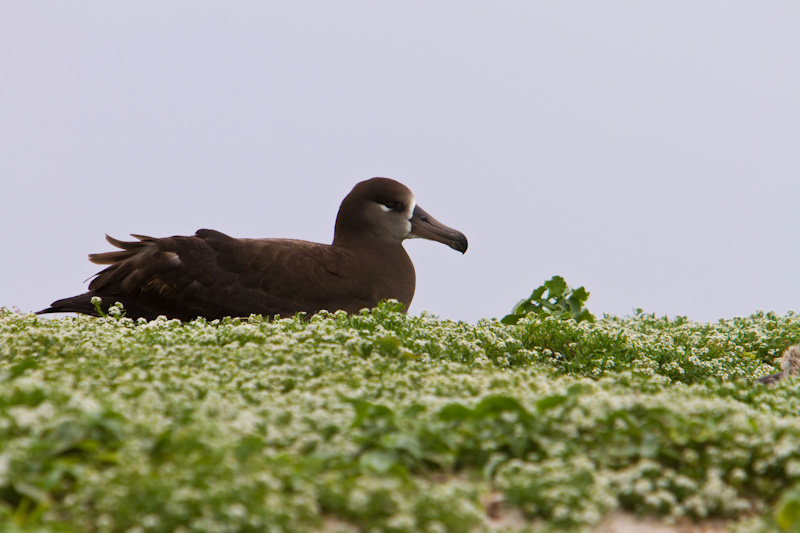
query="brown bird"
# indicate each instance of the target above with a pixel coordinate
(213, 275)
(790, 366)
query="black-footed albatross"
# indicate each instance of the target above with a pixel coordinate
(213, 275)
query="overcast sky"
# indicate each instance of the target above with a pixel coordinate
(649, 151)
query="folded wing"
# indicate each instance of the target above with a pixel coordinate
(213, 275)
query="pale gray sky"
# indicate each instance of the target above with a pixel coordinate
(649, 151)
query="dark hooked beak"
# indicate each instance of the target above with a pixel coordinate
(425, 226)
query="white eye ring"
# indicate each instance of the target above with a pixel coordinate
(390, 206)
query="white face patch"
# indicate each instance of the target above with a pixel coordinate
(393, 223)
(409, 213)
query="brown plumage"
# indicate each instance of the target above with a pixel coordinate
(213, 275)
(790, 366)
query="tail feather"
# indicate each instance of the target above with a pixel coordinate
(75, 304)
(82, 303)
(109, 258)
(126, 250)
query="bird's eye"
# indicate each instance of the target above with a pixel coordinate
(391, 206)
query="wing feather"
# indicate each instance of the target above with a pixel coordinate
(213, 275)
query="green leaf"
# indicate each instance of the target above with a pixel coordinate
(20, 368)
(788, 511)
(378, 461)
(548, 402)
(556, 286)
(497, 404)
(454, 411)
(561, 302)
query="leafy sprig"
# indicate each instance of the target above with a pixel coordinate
(555, 298)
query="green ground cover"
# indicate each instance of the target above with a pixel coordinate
(388, 422)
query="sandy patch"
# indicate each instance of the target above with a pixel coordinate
(500, 517)
(628, 523)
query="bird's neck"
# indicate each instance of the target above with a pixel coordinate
(390, 267)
